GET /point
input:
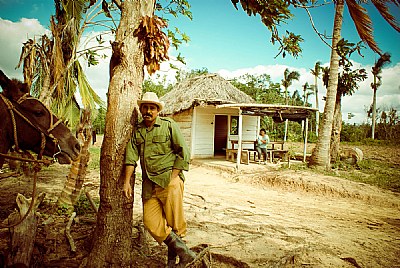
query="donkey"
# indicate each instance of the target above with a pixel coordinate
(27, 124)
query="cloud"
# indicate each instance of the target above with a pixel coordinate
(12, 37)
(388, 94)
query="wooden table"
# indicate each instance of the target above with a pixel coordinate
(233, 142)
(273, 143)
(245, 153)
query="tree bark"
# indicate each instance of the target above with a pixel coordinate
(320, 156)
(316, 106)
(374, 111)
(336, 129)
(112, 245)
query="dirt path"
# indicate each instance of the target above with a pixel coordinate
(262, 216)
(269, 226)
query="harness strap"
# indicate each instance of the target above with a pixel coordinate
(52, 126)
(10, 107)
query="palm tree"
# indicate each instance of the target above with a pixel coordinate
(376, 71)
(306, 92)
(316, 72)
(53, 70)
(321, 154)
(287, 81)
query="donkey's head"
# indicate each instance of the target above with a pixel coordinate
(35, 127)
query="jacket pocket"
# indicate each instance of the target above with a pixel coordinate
(161, 144)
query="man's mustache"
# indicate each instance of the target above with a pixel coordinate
(147, 114)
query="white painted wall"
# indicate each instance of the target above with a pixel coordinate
(203, 129)
(249, 132)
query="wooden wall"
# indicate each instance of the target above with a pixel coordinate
(197, 126)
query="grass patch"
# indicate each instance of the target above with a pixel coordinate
(94, 162)
(379, 173)
(373, 172)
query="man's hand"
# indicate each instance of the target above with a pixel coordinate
(127, 190)
(175, 173)
(127, 183)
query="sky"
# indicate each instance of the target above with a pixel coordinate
(229, 42)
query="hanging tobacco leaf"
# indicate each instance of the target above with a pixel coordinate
(154, 41)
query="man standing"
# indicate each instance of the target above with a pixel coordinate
(163, 154)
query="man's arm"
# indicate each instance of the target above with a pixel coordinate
(180, 149)
(131, 156)
(127, 182)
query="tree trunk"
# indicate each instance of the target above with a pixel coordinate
(336, 129)
(320, 156)
(112, 244)
(316, 106)
(374, 111)
(77, 173)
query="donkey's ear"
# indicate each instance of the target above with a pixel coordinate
(24, 88)
(4, 82)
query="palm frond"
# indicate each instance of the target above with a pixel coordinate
(88, 95)
(382, 7)
(363, 24)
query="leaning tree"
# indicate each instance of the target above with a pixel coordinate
(321, 154)
(348, 82)
(139, 42)
(376, 71)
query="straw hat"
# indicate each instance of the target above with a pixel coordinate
(151, 97)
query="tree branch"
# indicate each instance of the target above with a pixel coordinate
(118, 3)
(320, 35)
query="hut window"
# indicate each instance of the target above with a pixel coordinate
(234, 125)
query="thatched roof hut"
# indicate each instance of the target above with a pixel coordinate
(202, 90)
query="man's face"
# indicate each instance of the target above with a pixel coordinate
(149, 112)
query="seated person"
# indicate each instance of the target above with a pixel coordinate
(262, 142)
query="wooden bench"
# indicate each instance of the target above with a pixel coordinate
(231, 155)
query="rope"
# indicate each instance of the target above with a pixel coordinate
(52, 126)
(10, 107)
(45, 161)
(37, 167)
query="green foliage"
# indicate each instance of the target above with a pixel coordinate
(273, 14)
(83, 205)
(259, 87)
(183, 75)
(63, 210)
(100, 120)
(94, 161)
(387, 130)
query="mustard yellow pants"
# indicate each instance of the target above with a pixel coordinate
(163, 212)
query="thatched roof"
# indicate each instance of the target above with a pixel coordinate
(278, 112)
(202, 90)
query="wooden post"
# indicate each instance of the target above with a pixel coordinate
(23, 235)
(305, 140)
(286, 129)
(240, 129)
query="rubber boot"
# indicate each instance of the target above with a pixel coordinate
(176, 245)
(171, 258)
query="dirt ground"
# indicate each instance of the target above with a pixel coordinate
(259, 217)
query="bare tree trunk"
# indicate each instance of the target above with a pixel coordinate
(374, 112)
(112, 245)
(316, 106)
(320, 156)
(336, 129)
(77, 173)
